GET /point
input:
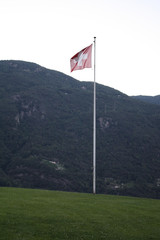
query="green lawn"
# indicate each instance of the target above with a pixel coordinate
(27, 214)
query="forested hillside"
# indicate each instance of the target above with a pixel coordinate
(46, 134)
(149, 99)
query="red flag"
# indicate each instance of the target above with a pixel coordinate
(82, 59)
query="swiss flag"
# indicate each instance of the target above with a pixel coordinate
(82, 59)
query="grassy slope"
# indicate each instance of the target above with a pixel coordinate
(40, 214)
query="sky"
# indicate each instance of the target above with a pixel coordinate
(50, 32)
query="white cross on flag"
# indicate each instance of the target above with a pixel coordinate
(82, 59)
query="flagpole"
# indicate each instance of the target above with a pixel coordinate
(94, 122)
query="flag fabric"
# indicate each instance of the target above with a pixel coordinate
(82, 59)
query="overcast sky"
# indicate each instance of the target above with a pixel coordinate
(50, 32)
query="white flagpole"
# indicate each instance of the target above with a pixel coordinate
(94, 122)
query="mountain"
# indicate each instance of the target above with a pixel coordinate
(46, 130)
(149, 99)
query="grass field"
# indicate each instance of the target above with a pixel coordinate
(27, 214)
